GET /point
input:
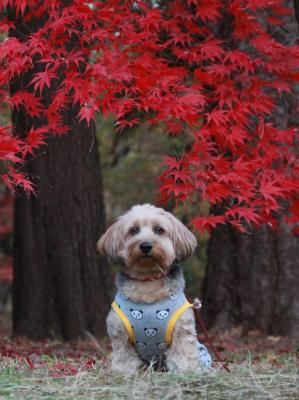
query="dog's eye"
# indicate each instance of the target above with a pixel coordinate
(134, 230)
(158, 230)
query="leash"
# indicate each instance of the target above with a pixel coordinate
(201, 327)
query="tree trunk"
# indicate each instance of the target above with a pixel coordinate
(252, 279)
(60, 285)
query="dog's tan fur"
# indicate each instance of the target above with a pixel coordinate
(175, 243)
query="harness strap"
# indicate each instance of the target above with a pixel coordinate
(173, 320)
(125, 321)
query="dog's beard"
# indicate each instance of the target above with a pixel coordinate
(156, 262)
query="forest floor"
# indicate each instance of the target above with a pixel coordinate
(261, 368)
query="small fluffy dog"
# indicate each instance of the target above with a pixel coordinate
(150, 321)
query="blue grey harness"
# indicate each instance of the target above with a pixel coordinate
(150, 325)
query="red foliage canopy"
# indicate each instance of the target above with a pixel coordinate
(207, 67)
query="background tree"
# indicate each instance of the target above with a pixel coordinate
(252, 278)
(218, 91)
(59, 287)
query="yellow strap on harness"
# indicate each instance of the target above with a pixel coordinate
(125, 321)
(173, 321)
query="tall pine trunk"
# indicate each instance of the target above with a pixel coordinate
(60, 285)
(252, 279)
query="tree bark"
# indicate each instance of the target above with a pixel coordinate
(252, 279)
(60, 284)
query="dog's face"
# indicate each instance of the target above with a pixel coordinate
(147, 239)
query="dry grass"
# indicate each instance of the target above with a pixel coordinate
(248, 380)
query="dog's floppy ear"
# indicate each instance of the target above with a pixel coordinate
(111, 241)
(183, 239)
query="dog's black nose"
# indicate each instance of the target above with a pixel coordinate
(145, 247)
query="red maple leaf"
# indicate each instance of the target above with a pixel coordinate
(166, 66)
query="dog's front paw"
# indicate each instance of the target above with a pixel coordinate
(172, 367)
(126, 369)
